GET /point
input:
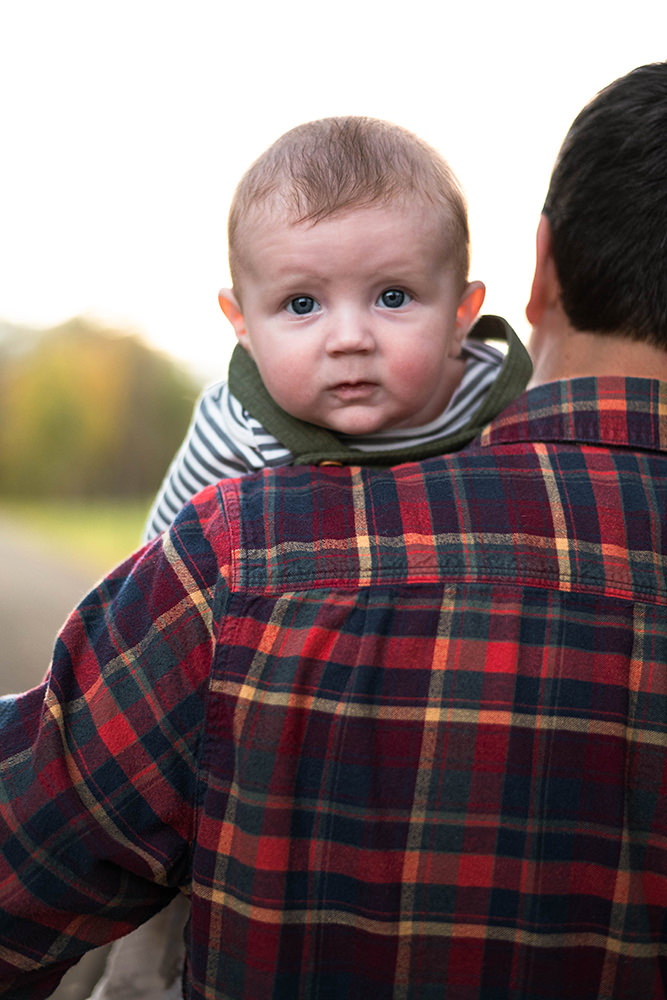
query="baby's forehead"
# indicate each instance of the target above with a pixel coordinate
(396, 239)
(277, 213)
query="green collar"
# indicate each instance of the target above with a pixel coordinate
(312, 445)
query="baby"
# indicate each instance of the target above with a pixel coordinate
(349, 255)
(351, 304)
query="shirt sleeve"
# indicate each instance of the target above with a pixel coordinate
(218, 445)
(98, 766)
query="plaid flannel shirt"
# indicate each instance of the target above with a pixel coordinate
(401, 733)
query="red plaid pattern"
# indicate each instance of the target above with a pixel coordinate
(400, 733)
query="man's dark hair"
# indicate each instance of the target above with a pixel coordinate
(607, 208)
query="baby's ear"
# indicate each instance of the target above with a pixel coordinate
(232, 310)
(469, 306)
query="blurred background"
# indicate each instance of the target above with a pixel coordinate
(125, 127)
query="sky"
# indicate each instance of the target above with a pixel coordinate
(126, 125)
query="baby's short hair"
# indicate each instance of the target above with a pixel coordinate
(324, 167)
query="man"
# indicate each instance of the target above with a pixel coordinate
(400, 733)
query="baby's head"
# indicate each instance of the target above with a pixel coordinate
(349, 255)
(324, 168)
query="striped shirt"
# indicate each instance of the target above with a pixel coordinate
(400, 733)
(224, 440)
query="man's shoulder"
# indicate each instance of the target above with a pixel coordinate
(522, 505)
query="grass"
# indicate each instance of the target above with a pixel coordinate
(96, 534)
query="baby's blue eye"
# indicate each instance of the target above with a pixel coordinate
(302, 305)
(394, 298)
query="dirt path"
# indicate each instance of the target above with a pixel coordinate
(37, 592)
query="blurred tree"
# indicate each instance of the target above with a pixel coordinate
(85, 411)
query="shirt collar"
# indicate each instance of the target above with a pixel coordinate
(610, 411)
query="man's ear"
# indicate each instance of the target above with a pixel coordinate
(230, 307)
(545, 290)
(469, 306)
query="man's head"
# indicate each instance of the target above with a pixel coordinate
(606, 213)
(322, 168)
(349, 255)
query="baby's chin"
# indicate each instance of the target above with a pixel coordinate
(356, 424)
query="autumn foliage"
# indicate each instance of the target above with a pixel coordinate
(85, 411)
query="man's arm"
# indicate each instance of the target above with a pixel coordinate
(98, 766)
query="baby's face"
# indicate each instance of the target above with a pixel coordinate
(354, 322)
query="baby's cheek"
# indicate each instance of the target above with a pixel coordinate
(291, 388)
(416, 373)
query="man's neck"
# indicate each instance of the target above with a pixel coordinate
(560, 352)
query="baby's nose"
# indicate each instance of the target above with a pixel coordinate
(350, 333)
